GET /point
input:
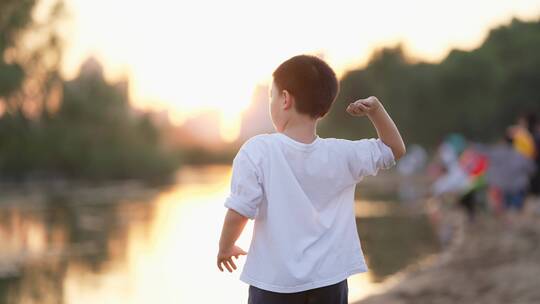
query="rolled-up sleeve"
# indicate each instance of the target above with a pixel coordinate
(246, 192)
(369, 155)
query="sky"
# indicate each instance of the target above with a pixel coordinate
(187, 57)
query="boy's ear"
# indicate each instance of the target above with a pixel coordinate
(288, 100)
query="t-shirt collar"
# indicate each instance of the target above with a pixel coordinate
(298, 145)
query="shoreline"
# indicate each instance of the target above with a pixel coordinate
(455, 220)
(38, 192)
(493, 260)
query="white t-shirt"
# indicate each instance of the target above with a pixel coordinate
(301, 197)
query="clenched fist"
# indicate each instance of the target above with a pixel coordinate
(363, 107)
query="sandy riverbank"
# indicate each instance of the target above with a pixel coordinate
(495, 261)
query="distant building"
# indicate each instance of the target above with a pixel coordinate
(201, 130)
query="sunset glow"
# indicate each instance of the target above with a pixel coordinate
(191, 56)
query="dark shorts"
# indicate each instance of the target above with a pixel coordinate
(334, 294)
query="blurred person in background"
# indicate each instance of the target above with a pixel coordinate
(522, 139)
(533, 125)
(509, 172)
(475, 164)
(452, 178)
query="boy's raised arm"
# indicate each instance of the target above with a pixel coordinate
(383, 123)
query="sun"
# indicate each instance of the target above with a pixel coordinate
(190, 86)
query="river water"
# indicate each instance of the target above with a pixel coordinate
(133, 244)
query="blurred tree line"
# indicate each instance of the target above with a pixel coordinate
(84, 128)
(477, 93)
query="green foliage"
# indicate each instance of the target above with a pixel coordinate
(15, 16)
(477, 93)
(94, 134)
(203, 156)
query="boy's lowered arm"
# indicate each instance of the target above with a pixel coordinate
(233, 225)
(381, 120)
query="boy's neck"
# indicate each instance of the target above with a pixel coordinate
(304, 131)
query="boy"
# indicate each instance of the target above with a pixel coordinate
(299, 189)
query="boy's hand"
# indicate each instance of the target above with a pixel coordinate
(363, 107)
(225, 257)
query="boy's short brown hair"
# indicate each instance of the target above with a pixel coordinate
(311, 81)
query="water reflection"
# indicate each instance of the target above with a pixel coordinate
(158, 247)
